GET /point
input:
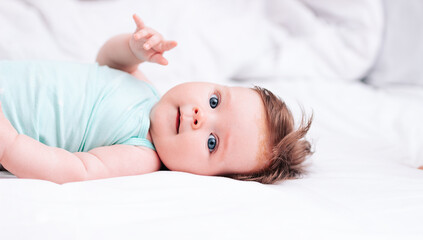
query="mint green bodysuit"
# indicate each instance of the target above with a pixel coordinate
(75, 106)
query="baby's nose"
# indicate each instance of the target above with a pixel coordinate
(197, 118)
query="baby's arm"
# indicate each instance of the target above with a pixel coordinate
(28, 158)
(126, 51)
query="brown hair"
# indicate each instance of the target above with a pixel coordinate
(288, 149)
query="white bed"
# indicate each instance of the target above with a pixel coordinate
(362, 182)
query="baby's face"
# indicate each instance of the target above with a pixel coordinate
(209, 129)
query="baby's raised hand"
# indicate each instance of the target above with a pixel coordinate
(148, 45)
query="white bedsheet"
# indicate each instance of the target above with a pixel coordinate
(362, 181)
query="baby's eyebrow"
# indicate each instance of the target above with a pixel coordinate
(225, 93)
(225, 144)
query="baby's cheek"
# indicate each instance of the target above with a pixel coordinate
(171, 154)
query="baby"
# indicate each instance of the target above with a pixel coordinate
(67, 122)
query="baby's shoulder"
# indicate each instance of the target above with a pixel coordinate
(150, 157)
(142, 158)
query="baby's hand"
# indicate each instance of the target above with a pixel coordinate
(7, 133)
(148, 45)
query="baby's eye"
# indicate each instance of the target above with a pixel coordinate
(214, 101)
(211, 142)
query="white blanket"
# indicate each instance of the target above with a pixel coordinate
(362, 181)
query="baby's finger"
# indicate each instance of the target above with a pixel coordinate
(165, 46)
(158, 58)
(140, 24)
(168, 45)
(142, 34)
(153, 41)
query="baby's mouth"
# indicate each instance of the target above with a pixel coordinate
(178, 120)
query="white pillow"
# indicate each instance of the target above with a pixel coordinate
(400, 59)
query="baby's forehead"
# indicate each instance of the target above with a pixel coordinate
(248, 103)
(248, 127)
(246, 151)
